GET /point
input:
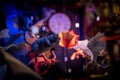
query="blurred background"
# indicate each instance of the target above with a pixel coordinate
(84, 17)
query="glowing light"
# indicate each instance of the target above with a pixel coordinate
(31, 17)
(68, 39)
(35, 30)
(97, 18)
(77, 25)
(69, 70)
(109, 38)
(65, 59)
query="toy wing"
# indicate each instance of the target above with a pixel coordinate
(96, 44)
(83, 45)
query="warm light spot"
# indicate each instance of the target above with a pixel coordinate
(110, 38)
(77, 53)
(40, 59)
(68, 39)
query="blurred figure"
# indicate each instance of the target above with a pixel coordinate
(102, 68)
(44, 61)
